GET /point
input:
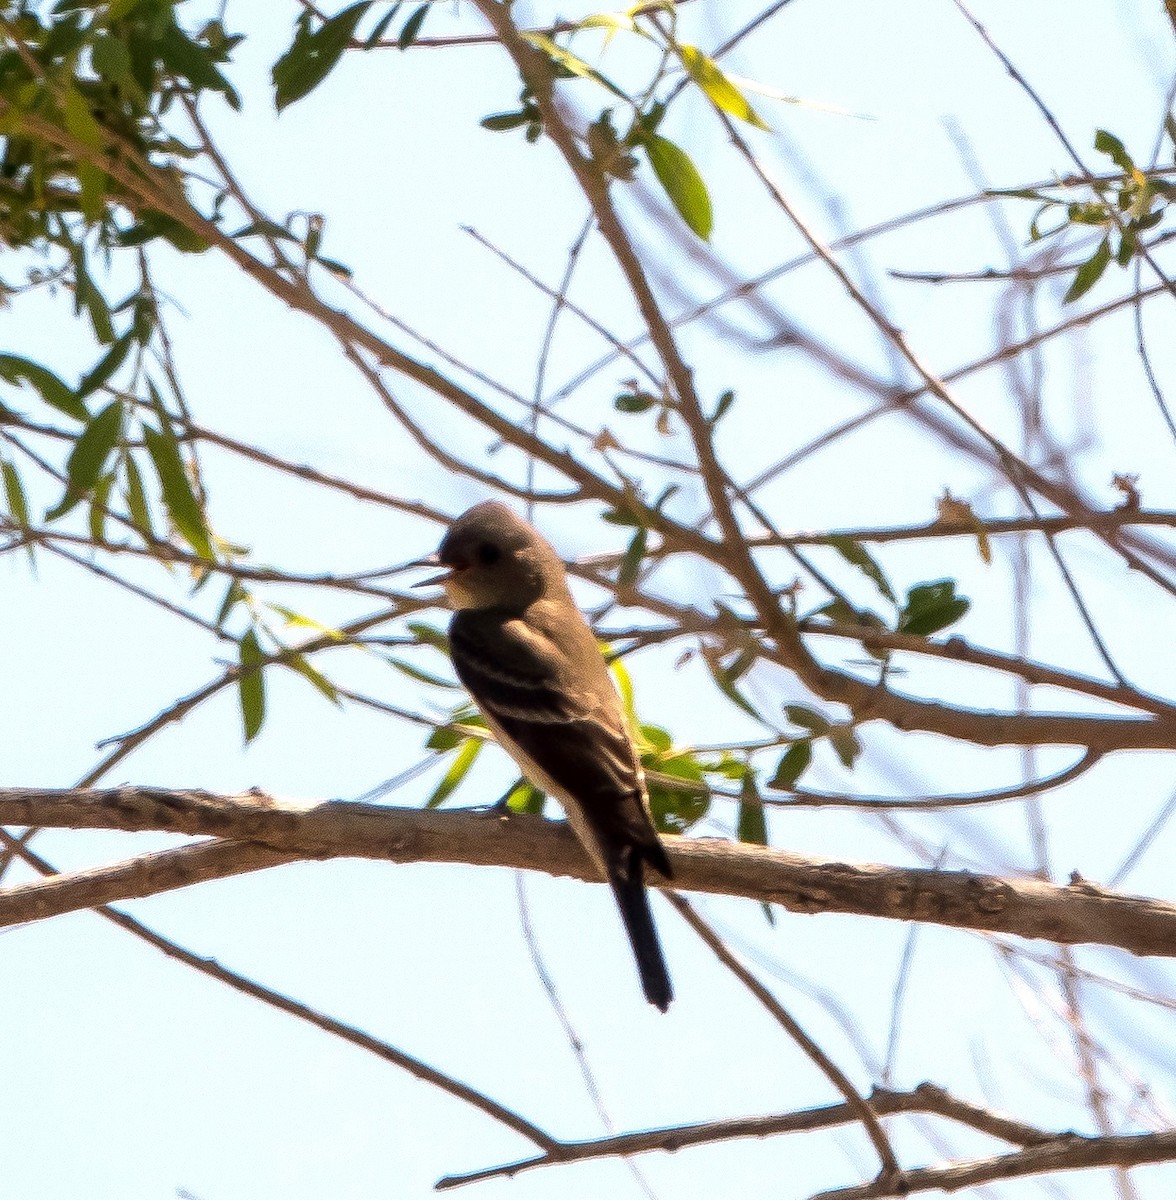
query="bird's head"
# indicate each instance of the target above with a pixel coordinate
(496, 560)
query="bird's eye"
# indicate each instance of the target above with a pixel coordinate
(488, 554)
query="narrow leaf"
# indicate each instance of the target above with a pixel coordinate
(105, 366)
(136, 497)
(88, 457)
(844, 741)
(1090, 272)
(178, 497)
(53, 391)
(458, 769)
(753, 825)
(726, 685)
(631, 562)
(251, 686)
(721, 92)
(412, 27)
(302, 665)
(858, 556)
(421, 676)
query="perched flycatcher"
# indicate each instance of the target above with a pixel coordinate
(532, 665)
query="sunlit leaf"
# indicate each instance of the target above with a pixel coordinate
(304, 667)
(721, 92)
(458, 769)
(524, 797)
(682, 183)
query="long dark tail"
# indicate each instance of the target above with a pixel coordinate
(627, 878)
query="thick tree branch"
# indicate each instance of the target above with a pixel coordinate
(1081, 913)
(1067, 1153)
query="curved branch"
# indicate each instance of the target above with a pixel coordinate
(1078, 914)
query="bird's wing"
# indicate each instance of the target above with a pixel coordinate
(567, 734)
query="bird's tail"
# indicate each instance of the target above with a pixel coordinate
(627, 879)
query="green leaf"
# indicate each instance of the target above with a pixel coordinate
(313, 55)
(721, 92)
(88, 457)
(752, 826)
(858, 556)
(726, 684)
(676, 809)
(624, 683)
(98, 508)
(300, 664)
(415, 672)
(806, 718)
(1107, 143)
(1090, 272)
(792, 765)
(499, 122)
(634, 402)
(631, 562)
(53, 391)
(251, 686)
(111, 59)
(412, 27)
(721, 409)
(446, 737)
(105, 366)
(931, 607)
(178, 497)
(524, 797)
(429, 635)
(570, 63)
(192, 61)
(682, 183)
(136, 497)
(381, 28)
(655, 741)
(844, 741)
(234, 594)
(18, 505)
(458, 769)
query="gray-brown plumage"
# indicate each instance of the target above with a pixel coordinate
(532, 666)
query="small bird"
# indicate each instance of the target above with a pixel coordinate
(532, 666)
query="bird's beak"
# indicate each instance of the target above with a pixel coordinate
(431, 561)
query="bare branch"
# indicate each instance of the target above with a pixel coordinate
(1079, 914)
